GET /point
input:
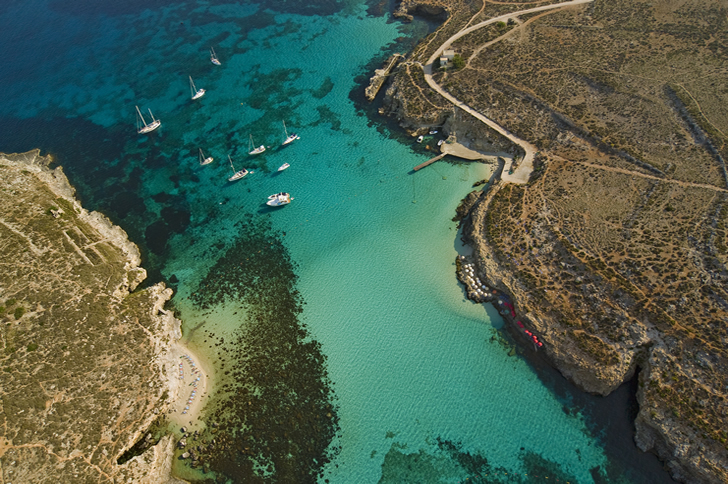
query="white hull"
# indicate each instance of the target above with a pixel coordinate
(283, 166)
(143, 127)
(279, 199)
(238, 175)
(290, 139)
(257, 151)
(203, 160)
(194, 92)
(148, 128)
(213, 57)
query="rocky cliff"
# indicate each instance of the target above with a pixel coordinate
(83, 376)
(614, 255)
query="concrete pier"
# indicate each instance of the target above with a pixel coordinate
(429, 162)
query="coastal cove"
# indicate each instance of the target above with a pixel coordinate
(327, 340)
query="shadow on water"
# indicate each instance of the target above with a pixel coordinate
(610, 418)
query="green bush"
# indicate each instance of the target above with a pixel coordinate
(458, 62)
(19, 311)
(32, 347)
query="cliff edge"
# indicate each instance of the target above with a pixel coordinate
(83, 376)
(613, 256)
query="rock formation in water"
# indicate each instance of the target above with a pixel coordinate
(83, 370)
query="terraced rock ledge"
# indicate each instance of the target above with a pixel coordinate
(85, 356)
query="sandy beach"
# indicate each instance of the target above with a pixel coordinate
(189, 378)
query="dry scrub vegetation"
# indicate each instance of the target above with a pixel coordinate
(619, 241)
(78, 383)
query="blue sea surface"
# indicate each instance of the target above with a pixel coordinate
(421, 383)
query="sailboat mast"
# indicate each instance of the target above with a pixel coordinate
(140, 116)
(150, 113)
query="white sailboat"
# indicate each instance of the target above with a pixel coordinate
(203, 160)
(213, 57)
(279, 199)
(283, 166)
(290, 138)
(143, 127)
(237, 175)
(255, 151)
(196, 93)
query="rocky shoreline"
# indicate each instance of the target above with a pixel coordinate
(615, 336)
(105, 345)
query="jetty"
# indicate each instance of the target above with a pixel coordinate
(380, 75)
(429, 162)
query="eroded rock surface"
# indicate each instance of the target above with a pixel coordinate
(82, 378)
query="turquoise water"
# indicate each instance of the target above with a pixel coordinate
(348, 293)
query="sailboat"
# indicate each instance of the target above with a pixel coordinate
(237, 175)
(257, 150)
(283, 166)
(290, 138)
(147, 128)
(196, 93)
(213, 57)
(203, 160)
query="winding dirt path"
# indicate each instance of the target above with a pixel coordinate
(521, 174)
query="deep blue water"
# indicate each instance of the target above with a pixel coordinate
(344, 345)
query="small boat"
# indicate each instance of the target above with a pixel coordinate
(279, 199)
(213, 57)
(420, 138)
(283, 166)
(290, 138)
(146, 128)
(196, 93)
(433, 131)
(255, 151)
(439, 143)
(237, 175)
(203, 160)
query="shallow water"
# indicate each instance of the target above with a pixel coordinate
(341, 307)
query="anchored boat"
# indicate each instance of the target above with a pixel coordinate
(279, 199)
(142, 126)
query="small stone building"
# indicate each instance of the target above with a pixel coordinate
(446, 58)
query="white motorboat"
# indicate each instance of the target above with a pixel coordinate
(213, 57)
(283, 166)
(433, 131)
(205, 160)
(142, 126)
(196, 93)
(237, 175)
(420, 138)
(290, 138)
(255, 151)
(279, 199)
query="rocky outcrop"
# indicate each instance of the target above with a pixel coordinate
(660, 428)
(380, 76)
(435, 9)
(84, 353)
